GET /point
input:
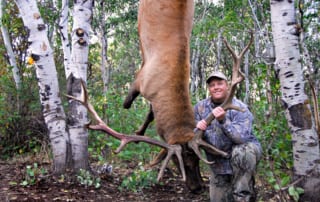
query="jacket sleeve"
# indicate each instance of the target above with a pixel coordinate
(197, 113)
(238, 126)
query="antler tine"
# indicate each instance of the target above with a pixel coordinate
(237, 75)
(125, 139)
(248, 45)
(197, 142)
(233, 53)
(175, 149)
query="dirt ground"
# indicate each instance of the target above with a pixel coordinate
(50, 188)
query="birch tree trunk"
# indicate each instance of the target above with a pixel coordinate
(77, 116)
(288, 65)
(105, 66)
(63, 28)
(105, 70)
(104, 60)
(7, 43)
(219, 46)
(42, 54)
(195, 74)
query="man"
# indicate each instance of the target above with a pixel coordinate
(232, 179)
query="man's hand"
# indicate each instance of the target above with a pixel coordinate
(202, 125)
(219, 113)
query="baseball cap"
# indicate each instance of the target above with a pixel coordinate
(219, 75)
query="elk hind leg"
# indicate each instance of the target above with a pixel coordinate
(150, 117)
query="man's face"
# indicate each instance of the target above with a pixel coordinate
(218, 90)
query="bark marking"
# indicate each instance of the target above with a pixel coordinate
(301, 116)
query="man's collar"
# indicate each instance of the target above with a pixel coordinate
(215, 103)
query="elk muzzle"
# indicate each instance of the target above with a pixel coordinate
(191, 161)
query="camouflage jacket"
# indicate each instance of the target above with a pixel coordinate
(235, 129)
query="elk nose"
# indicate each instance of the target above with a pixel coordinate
(244, 196)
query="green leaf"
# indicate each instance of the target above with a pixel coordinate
(13, 183)
(291, 191)
(97, 185)
(300, 190)
(24, 183)
(276, 187)
(285, 181)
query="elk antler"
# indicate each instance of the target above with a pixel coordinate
(125, 139)
(237, 77)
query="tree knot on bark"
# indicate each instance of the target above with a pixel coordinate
(80, 32)
(41, 27)
(82, 42)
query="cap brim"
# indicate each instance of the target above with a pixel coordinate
(211, 77)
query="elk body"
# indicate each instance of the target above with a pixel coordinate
(164, 31)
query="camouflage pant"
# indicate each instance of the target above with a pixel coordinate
(238, 187)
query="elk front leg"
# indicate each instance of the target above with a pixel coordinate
(133, 93)
(148, 120)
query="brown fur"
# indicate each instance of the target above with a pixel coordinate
(165, 30)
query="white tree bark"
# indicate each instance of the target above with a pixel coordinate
(105, 70)
(288, 65)
(41, 52)
(63, 28)
(77, 118)
(195, 74)
(82, 13)
(104, 61)
(219, 46)
(7, 43)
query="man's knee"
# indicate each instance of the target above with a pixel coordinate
(245, 156)
(244, 160)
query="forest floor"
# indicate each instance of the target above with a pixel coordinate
(49, 188)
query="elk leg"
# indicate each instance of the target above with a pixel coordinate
(148, 120)
(133, 93)
(162, 154)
